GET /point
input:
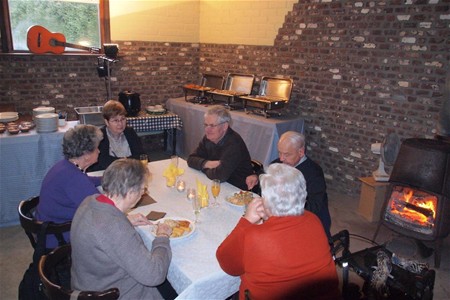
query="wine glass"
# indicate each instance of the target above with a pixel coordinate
(144, 159)
(215, 189)
(192, 196)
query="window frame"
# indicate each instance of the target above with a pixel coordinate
(6, 35)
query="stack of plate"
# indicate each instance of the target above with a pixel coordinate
(42, 110)
(47, 122)
(8, 116)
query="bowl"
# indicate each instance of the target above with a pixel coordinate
(13, 130)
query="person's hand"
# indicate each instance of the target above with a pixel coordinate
(163, 229)
(211, 164)
(251, 181)
(256, 211)
(138, 220)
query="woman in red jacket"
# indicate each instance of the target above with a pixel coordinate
(279, 249)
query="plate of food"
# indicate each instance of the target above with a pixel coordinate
(240, 199)
(181, 227)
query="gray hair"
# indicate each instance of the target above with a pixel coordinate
(221, 112)
(80, 140)
(124, 175)
(294, 138)
(284, 190)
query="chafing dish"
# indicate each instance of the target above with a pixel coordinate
(207, 83)
(236, 85)
(90, 115)
(274, 93)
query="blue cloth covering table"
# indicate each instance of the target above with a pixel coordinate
(24, 161)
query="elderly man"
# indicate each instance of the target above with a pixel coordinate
(291, 151)
(222, 154)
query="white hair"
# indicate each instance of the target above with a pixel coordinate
(284, 190)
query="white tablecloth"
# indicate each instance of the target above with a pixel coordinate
(24, 160)
(261, 135)
(194, 271)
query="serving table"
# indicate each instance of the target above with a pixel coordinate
(194, 271)
(25, 158)
(145, 124)
(260, 134)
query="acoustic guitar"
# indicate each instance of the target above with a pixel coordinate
(40, 40)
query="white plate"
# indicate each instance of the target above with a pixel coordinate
(8, 116)
(233, 204)
(192, 226)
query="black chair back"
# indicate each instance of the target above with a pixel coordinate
(54, 270)
(32, 227)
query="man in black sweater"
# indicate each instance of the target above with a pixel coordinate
(222, 154)
(291, 151)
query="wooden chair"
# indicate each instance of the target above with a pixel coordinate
(32, 227)
(57, 264)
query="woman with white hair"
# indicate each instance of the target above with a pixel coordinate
(278, 248)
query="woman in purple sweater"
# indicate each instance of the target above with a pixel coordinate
(66, 184)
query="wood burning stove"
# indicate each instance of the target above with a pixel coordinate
(417, 201)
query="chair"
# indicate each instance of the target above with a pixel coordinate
(56, 265)
(257, 166)
(32, 227)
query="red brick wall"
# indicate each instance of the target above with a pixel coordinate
(360, 69)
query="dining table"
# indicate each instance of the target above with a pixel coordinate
(194, 271)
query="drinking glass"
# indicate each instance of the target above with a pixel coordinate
(215, 189)
(195, 201)
(144, 159)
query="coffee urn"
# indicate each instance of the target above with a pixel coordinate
(131, 101)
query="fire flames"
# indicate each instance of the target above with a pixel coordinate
(413, 206)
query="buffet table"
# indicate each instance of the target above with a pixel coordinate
(194, 271)
(260, 134)
(25, 159)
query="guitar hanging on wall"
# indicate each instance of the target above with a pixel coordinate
(40, 40)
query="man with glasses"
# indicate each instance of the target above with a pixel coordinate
(222, 153)
(119, 140)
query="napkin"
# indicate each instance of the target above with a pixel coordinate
(202, 193)
(145, 200)
(155, 215)
(171, 173)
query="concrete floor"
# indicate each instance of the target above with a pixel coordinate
(16, 252)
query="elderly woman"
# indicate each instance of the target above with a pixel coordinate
(66, 184)
(119, 140)
(106, 250)
(279, 249)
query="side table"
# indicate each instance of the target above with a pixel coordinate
(372, 198)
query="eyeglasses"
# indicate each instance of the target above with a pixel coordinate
(119, 120)
(213, 125)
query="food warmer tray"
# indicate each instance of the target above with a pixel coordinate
(208, 82)
(274, 93)
(236, 85)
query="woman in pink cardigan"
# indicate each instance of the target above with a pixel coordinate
(279, 249)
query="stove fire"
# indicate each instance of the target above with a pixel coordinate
(412, 209)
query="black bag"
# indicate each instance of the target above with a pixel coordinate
(30, 288)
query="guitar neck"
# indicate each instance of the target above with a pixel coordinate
(55, 42)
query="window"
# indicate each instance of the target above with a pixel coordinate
(84, 24)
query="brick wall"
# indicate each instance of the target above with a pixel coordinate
(360, 69)
(155, 70)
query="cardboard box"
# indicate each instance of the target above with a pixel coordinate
(372, 197)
